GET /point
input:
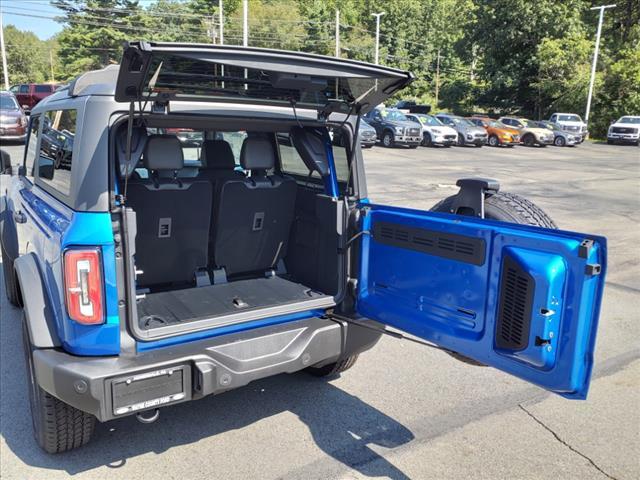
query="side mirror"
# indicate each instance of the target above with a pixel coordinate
(5, 162)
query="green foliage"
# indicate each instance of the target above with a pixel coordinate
(498, 56)
(620, 91)
(27, 57)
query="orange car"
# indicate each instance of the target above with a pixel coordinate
(499, 133)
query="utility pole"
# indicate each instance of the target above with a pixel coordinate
(5, 72)
(245, 23)
(377, 15)
(53, 80)
(221, 19)
(437, 77)
(595, 59)
(337, 33)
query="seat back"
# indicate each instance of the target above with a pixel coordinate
(254, 214)
(173, 216)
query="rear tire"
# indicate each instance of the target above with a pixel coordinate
(426, 140)
(333, 369)
(57, 426)
(10, 286)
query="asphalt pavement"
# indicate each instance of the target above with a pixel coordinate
(403, 411)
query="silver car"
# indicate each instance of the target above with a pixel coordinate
(468, 133)
(561, 137)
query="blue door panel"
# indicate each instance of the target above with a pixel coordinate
(514, 297)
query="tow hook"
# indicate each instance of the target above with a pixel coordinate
(150, 419)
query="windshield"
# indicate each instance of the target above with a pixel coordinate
(569, 118)
(462, 121)
(429, 120)
(635, 120)
(8, 103)
(394, 116)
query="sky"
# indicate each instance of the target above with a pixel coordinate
(34, 15)
(27, 15)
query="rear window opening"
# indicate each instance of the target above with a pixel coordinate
(231, 226)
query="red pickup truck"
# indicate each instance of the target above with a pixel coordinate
(28, 94)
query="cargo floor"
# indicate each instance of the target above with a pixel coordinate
(178, 306)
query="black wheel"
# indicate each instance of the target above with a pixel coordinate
(506, 207)
(57, 426)
(426, 140)
(387, 139)
(10, 286)
(493, 141)
(559, 141)
(529, 140)
(460, 140)
(333, 368)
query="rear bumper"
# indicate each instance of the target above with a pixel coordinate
(98, 385)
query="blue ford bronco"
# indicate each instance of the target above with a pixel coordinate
(197, 218)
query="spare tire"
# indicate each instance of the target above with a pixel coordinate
(506, 207)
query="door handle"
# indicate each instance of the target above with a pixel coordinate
(19, 217)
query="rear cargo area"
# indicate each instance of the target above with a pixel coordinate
(230, 236)
(221, 303)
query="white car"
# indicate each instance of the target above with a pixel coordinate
(434, 132)
(625, 130)
(571, 123)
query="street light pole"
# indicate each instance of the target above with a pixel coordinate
(377, 15)
(221, 19)
(337, 33)
(595, 59)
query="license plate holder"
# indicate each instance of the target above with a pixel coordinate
(151, 389)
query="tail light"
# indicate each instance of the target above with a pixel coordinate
(84, 285)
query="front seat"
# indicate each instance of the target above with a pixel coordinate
(254, 214)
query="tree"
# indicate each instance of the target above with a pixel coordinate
(27, 57)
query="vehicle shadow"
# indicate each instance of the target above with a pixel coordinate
(342, 425)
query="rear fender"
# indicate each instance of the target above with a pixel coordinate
(37, 306)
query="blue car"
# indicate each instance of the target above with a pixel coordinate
(151, 273)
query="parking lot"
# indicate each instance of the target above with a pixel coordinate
(403, 411)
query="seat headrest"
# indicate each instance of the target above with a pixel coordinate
(257, 153)
(163, 152)
(217, 155)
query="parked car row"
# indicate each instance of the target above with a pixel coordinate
(395, 127)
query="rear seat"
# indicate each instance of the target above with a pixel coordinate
(253, 214)
(173, 216)
(218, 165)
